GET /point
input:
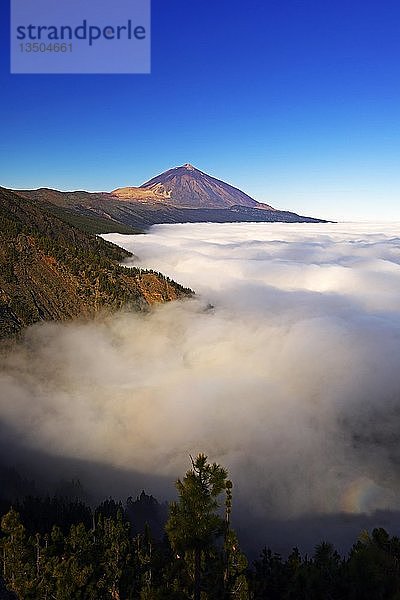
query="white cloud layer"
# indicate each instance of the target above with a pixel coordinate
(292, 380)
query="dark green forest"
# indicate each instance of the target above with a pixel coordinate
(59, 548)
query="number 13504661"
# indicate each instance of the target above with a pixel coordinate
(43, 47)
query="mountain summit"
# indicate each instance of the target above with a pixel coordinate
(180, 195)
(188, 187)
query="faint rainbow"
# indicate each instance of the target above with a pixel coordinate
(360, 496)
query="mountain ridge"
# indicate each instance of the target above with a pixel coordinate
(180, 195)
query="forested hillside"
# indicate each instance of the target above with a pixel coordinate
(52, 270)
(55, 548)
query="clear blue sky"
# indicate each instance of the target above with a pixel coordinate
(295, 102)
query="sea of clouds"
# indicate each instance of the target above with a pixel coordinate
(285, 369)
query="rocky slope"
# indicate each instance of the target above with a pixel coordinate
(52, 270)
(188, 187)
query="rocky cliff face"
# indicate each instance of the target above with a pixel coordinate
(50, 270)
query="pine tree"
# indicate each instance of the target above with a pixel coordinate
(194, 524)
(18, 556)
(74, 571)
(116, 559)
